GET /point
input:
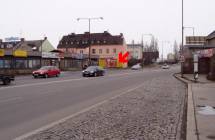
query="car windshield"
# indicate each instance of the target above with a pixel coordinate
(45, 68)
(91, 68)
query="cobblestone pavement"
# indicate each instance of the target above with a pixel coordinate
(152, 112)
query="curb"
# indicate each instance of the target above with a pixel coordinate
(191, 124)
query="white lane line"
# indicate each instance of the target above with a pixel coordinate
(42, 83)
(73, 115)
(62, 81)
(10, 99)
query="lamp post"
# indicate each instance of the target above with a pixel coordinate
(182, 38)
(89, 21)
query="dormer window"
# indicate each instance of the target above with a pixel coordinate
(104, 42)
(98, 41)
(71, 42)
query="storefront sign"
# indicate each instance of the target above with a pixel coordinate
(205, 53)
(20, 53)
(1, 52)
(50, 55)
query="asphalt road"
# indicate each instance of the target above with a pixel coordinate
(28, 104)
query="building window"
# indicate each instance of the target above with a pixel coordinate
(30, 63)
(98, 41)
(7, 63)
(81, 51)
(114, 50)
(107, 51)
(71, 42)
(1, 64)
(36, 63)
(93, 51)
(104, 42)
(100, 51)
(21, 64)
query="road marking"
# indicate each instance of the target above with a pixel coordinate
(73, 115)
(10, 99)
(61, 81)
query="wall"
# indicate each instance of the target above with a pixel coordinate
(47, 46)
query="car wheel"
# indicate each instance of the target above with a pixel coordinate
(46, 76)
(95, 74)
(35, 77)
(6, 81)
(57, 75)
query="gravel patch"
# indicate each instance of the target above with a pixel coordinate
(152, 112)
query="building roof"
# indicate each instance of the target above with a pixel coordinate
(134, 45)
(82, 40)
(211, 35)
(199, 46)
(33, 44)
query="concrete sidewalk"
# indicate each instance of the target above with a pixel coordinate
(201, 108)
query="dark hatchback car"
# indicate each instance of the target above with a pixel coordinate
(93, 71)
(46, 71)
(6, 76)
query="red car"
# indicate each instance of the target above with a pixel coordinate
(46, 71)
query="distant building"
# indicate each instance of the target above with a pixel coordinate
(135, 50)
(170, 57)
(24, 55)
(205, 48)
(104, 45)
(191, 40)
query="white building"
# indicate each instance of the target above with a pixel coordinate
(135, 50)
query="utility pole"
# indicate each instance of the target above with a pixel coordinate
(89, 25)
(182, 38)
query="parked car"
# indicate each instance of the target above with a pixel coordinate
(93, 71)
(6, 76)
(136, 67)
(165, 66)
(46, 71)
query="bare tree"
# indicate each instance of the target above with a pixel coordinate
(176, 51)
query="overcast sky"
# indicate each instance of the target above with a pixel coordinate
(34, 19)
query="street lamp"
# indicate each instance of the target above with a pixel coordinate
(192, 29)
(89, 20)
